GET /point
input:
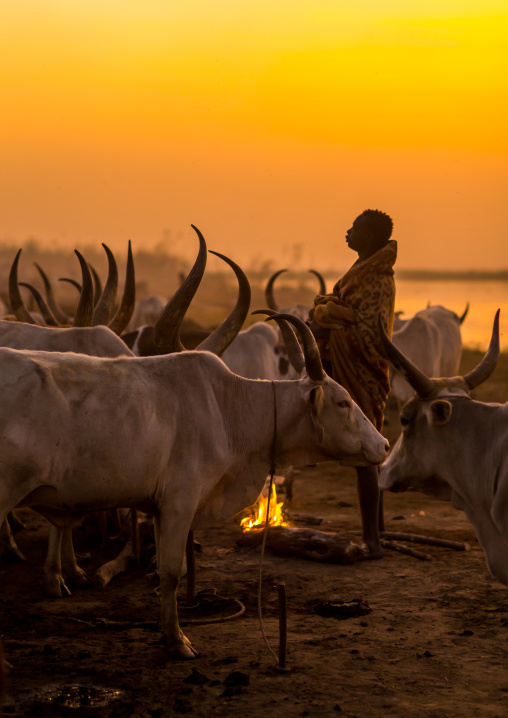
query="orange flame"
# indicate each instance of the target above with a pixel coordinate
(257, 519)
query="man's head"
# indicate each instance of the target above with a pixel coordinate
(370, 232)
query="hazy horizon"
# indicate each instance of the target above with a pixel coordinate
(296, 259)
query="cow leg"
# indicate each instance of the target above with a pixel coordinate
(157, 535)
(73, 572)
(172, 532)
(369, 500)
(492, 542)
(8, 549)
(52, 581)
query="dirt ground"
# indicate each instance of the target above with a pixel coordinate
(433, 645)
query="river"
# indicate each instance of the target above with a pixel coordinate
(484, 297)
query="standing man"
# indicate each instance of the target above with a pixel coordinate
(345, 326)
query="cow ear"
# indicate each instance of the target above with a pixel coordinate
(440, 411)
(316, 399)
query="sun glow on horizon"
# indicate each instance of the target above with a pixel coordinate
(279, 121)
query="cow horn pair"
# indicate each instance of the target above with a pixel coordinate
(269, 297)
(310, 357)
(425, 386)
(97, 285)
(92, 310)
(167, 329)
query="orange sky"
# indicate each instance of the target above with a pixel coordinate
(270, 128)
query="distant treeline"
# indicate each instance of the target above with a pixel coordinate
(157, 268)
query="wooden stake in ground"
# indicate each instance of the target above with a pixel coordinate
(283, 629)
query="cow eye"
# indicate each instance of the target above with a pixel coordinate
(344, 404)
(404, 421)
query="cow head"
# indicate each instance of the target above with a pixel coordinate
(430, 421)
(340, 427)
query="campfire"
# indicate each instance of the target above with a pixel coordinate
(288, 541)
(257, 518)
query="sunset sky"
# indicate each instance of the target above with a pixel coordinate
(269, 124)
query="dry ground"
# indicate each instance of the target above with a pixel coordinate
(434, 644)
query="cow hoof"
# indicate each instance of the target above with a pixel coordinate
(13, 555)
(55, 587)
(181, 650)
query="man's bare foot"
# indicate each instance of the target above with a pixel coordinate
(375, 551)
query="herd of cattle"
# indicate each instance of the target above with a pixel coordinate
(98, 414)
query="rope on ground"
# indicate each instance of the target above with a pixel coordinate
(260, 609)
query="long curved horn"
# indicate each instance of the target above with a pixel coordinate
(221, 338)
(167, 329)
(126, 308)
(270, 299)
(18, 307)
(46, 312)
(464, 315)
(75, 284)
(291, 342)
(50, 297)
(487, 365)
(322, 285)
(97, 285)
(84, 312)
(104, 309)
(313, 363)
(414, 376)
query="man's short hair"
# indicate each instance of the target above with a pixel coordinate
(380, 223)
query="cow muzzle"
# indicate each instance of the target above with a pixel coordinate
(389, 482)
(369, 457)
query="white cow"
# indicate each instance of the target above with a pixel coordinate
(178, 436)
(456, 449)
(102, 342)
(432, 340)
(147, 311)
(95, 341)
(256, 353)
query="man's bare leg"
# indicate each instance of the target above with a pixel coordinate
(370, 506)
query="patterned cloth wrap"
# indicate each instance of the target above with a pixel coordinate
(351, 346)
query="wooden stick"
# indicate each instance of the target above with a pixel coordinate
(429, 540)
(116, 524)
(191, 569)
(3, 679)
(283, 629)
(405, 549)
